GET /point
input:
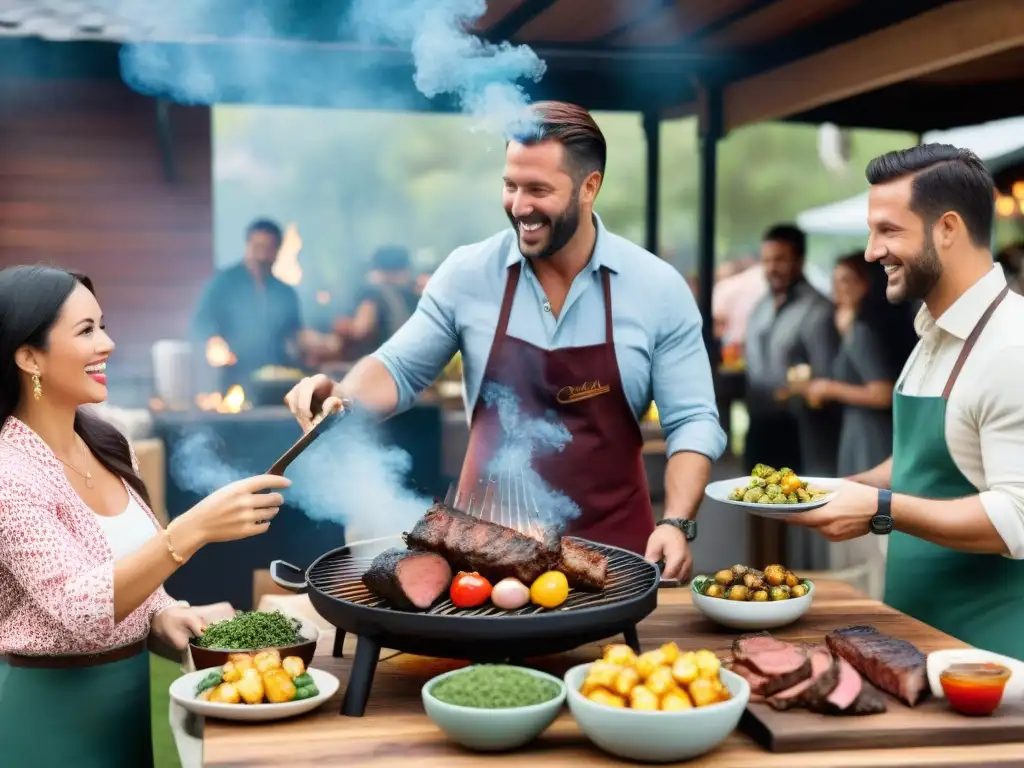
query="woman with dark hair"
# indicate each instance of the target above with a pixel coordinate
(876, 340)
(82, 559)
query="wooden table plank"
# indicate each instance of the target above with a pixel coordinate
(395, 730)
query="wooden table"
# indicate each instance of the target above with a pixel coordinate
(395, 731)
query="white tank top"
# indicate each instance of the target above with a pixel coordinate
(127, 531)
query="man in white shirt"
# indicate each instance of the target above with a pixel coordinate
(952, 494)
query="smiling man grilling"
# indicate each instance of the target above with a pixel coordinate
(579, 323)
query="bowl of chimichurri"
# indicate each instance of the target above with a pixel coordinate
(493, 707)
(251, 632)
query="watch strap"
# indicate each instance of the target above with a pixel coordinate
(881, 522)
(688, 527)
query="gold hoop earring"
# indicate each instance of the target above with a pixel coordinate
(37, 386)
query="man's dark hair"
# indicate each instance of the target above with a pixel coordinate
(391, 258)
(575, 129)
(264, 225)
(946, 178)
(790, 234)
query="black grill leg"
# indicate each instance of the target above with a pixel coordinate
(632, 639)
(360, 678)
(338, 651)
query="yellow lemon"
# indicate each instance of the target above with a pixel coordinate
(549, 590)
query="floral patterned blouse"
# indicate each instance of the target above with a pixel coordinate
(56, 567)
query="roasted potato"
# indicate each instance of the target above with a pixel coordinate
(714, 589)
(251, 687)
(231, 673)
(775, 575)
(657, 680)
(278, 686)
(798, 591)
(294, 666)
(242, 661)
(725, 577)
(225, 693)
(267, 660)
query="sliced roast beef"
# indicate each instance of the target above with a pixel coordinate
(850, 695)
(408, 580)
(820, 682)
(782, 664)
(893, 665)
(758, 682)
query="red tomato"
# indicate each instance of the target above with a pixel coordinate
(469, 590)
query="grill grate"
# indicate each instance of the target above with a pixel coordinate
(629, 575)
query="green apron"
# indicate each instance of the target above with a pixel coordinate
(85, 717)
(973, 597)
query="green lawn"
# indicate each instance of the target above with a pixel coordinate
(161, 674)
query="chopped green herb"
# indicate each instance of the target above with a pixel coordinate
(252, 631)
(494, 686)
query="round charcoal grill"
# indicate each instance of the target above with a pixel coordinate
(485, 634)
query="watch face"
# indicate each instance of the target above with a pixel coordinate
(881, 524)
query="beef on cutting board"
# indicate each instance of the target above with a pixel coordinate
(821, 681)
(850, 694)
(782, 664)
(894, 665)
(409, 580)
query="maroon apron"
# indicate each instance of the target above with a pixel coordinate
(601, 469)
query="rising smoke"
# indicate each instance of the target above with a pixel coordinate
(348, 476)
(525, 439)
(482, 77)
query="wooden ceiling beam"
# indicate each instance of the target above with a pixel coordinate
(949, 35)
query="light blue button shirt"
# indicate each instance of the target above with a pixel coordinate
(658, 342)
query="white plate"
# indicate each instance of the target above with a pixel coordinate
(720, 490)
(938, 661)
(183, 691)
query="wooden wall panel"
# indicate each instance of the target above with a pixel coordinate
(82, 185)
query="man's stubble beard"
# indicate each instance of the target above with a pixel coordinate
(921, 275)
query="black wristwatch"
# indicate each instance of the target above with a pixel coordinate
(688, 527)
(881, 523)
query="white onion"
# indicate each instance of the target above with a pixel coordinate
(509, 594)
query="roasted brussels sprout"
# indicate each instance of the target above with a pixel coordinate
(761, 470)
(778, 593)
(753, 495)
(775, 575)
(798, 591)
(714, 589)
(752, 580)
(737, 592)
(757, 482)
(773, 479)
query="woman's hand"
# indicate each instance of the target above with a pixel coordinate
(177, 625)
(236, 511)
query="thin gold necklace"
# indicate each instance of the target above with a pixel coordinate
(85, 456)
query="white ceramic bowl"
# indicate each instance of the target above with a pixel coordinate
(492, 730)
(749, 615)
(657, 737)
(183, 692)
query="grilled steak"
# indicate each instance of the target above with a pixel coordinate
(818, 685)
(783, 664)
(408, 580)
(471, 544)
(585, 568)
(893, 665)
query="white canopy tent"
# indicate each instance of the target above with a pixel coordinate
(990, 142)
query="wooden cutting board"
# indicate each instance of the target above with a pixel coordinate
(929, 724)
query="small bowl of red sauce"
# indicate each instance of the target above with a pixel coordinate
(974, 688)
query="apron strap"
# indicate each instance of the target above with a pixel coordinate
(506, 302)
(609, 326)
(971, 341)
